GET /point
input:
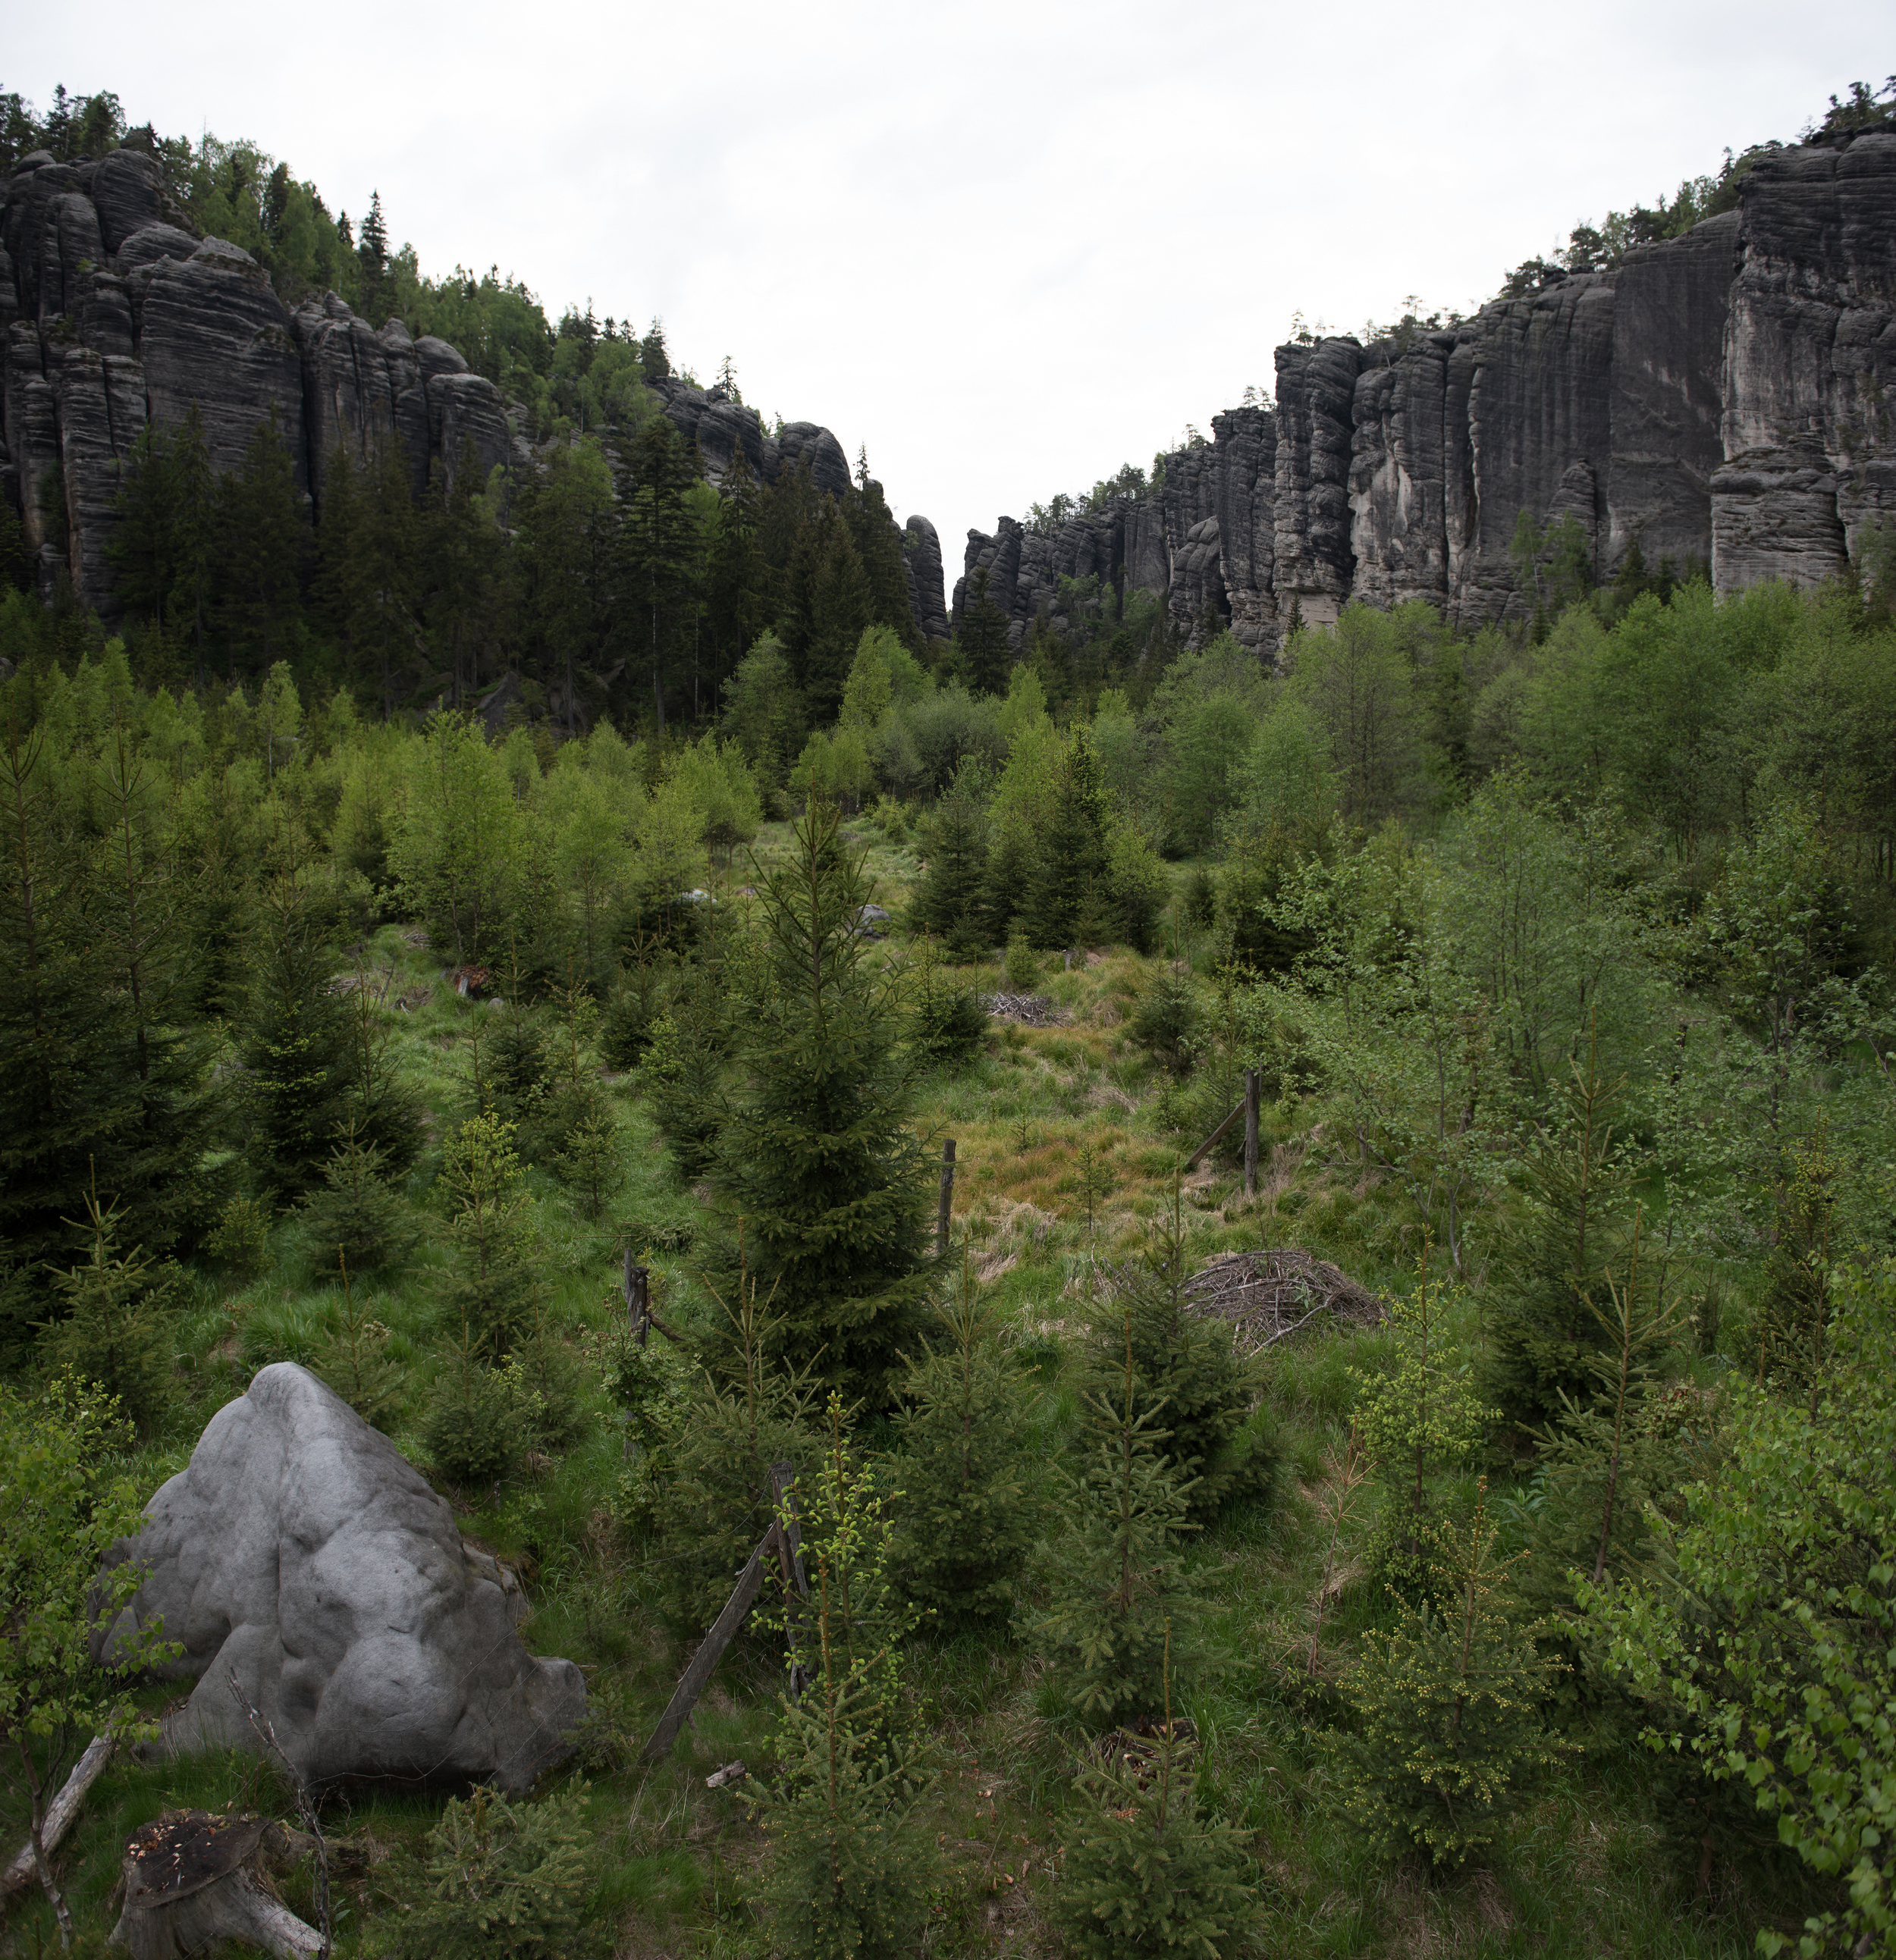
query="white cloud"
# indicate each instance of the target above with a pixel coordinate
(1006, 246)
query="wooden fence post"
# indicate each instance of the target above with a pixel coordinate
(1254, 1090)
(945, 1212)
(637, 1287)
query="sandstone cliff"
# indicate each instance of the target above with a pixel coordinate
(113, 315)
(1721, 400)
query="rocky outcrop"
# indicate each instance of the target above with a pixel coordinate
(214, 335)
(1722, 399)
(1810, 358)
(922, 555)
(300, 1557)
(98, 276)
(363, 393)
(1670, 303)
(99, 401)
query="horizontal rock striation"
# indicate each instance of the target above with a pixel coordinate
(1722, 400)
(114, 316)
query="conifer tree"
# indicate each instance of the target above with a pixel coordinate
(112, 1328)
(355, 1212)
(138, 902)
(1610, 1455)
(1448, 1729)
(746, 1412)
(1546, 1268)
(1189, 1380)
(68, 1082)
(656, 538)
(355, 1360)
(879, 550)
(738, 602)
(1011, 859)
(262, 543)
(1116, 1578)
(827, 605)
(493, 1288)
(816, 1157)
(1416, 1419)
(385, 1109)
(472, 1429)
(1144, 1871)
(970, 1511)
(850, 1866)
(296, 1049)
(948, 896)
(1070, 902)
(983, 641)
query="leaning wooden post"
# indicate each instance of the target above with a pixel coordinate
(946, 1210)
(710, 1651)
(1254, 1086)
(638, 1284)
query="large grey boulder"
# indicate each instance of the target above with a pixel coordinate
(300, 1552)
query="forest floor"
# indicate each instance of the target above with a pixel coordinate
(1069, 1140)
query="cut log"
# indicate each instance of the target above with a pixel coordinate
(191, 1881)
(65, 1806)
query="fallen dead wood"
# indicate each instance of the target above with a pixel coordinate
(1030, 1010)
(59, 1815)
(1270, 1295)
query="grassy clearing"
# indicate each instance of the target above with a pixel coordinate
(1049, 1123)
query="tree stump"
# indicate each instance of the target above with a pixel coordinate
(191, 1879)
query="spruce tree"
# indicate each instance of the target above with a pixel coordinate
(139, 900)
(354, 1359)
(970, 1510)
(738, 608)
(816, 1158)
(355, 1213)
(656, 540)
(112, 1329)
(1144, 1871)
(295, 1049)
(746, 1412)
(69, 1092)
(879, 550)
(1118, 1581)
(1418, 1418)
(262, 543)
(1011, 859)
(493, 1288)
(851, 1864)
(948, 896)
(983, 640)
(1190, 1378)
(1548, 1266)
(1070, 901)
(1611, 1455)
(1449, 1733)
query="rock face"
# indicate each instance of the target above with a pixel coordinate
(114, 315)
(300, 1552)
(1721, 400)
(922, 554)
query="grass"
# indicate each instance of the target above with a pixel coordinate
(1043, 1118)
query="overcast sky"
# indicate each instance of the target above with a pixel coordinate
(1007, 246)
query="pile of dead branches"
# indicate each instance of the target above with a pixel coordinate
(1268, 1295)
(1031, 1010)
